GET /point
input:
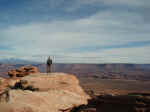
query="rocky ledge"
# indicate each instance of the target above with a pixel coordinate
(54, 92)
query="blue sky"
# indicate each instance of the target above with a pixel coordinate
(101, 31)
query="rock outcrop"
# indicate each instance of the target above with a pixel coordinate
(1, 80)
(53, 92)
(2, 85)
(22, 71)
(6, 83)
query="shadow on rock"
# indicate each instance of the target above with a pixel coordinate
(122, 103)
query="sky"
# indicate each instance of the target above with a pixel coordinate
(76, 31)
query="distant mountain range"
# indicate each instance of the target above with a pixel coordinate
(17, 61)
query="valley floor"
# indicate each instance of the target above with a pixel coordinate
(113, 86)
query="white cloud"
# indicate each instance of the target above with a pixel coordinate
(60, 37)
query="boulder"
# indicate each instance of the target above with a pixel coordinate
(22, 71)
(54, 92)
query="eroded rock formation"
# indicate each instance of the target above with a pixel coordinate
(22, 71)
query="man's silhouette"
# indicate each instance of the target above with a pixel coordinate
(49, 63)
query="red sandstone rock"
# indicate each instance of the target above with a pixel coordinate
(22, 71)
(2, 85)
(6, 83)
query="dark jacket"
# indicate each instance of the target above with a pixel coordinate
(49, 61)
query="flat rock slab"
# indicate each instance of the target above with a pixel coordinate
(56, 91)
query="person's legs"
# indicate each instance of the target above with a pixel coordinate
(48, 68)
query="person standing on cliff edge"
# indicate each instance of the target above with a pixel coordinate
(49, 63)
